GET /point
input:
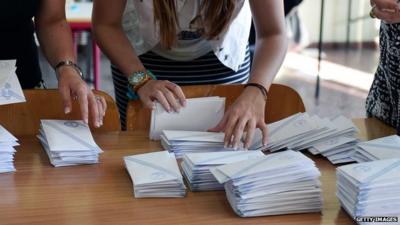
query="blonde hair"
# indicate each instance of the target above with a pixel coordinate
(215, 15)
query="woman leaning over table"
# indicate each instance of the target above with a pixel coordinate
(383, 101)
(193, 42)
(17, 42)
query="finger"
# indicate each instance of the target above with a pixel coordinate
(148, 103)
(66, 97)
(94, 110)
(251, 129)
(238, 132)
(172, 100)
(104, 104)
(100, 110)
(264, 130)
(221, 125)
(229, 129)
(83, 103)
(163, 101)
(178, 92)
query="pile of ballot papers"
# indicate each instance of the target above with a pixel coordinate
(281, 183)
(370, 188)
(334, 138)
(155, 174)
(200, 114)
(10, 88)
(196, 167)
(181, 142)
(381, 148)
(68, 142)
(7, 150)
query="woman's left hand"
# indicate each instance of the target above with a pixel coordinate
(245, 115)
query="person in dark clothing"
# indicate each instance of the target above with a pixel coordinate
(19, 20)
(383, 101)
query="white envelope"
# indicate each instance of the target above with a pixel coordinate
(332, 143)
(379, 171)
(6, 137)
(244, 168)
(382, 148)
(193, 136)
(155, 167)
(200, 114)
(10, 88)
(219, 158)
(68, 135)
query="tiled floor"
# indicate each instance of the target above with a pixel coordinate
(337, 97)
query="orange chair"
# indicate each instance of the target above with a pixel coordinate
(24, 118)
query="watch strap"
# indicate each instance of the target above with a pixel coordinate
(71, 64)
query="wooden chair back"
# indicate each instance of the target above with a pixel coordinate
(24, 118)
(282, 102)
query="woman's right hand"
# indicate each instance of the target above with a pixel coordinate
(168, 94)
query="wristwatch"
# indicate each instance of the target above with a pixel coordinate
(139, 78)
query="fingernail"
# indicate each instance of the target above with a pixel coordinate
(225, 145)
(86, 121)
(101, 123)
(67, 110)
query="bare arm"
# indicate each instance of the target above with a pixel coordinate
(107, 23)
(55, 39)
(271, 40)
(248, 111)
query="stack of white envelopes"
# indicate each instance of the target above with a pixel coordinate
(155, 175)
(200, 114)
(381, 148)
(196, 167)
(370, 188)
(281, 183)
(334, 138)
(68, 142)
(181, 142)
(7, 150)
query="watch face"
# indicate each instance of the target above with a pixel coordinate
(136, 78)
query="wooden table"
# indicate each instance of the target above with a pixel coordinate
(102, 194)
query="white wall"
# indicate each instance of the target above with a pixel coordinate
(336, 20)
